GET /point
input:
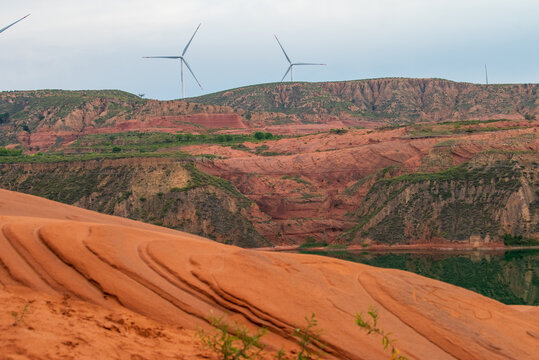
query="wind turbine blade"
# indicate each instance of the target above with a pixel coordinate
(307, 64)
(7, 27)
(287, 58)
(192, 73)
(189, 43)
(286, 73)
(161, 57)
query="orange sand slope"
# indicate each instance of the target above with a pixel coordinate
(179, 279)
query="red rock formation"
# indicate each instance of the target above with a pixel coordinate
(179, 279)
(312, 180)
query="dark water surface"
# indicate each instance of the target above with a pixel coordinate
(511, 277)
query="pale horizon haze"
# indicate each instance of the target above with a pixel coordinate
(73, 44)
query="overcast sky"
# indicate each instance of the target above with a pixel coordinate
(99, 44)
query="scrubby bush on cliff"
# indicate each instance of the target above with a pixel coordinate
(4, 118)
(338, 131)
(529, 117)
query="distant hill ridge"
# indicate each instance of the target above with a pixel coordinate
(401, 100)
(68, 114)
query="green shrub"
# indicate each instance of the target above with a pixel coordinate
(338, 131)
(10, 152)
(311, 242)
(19, 317)
(4, 118)
(296, 178)
(518, 240)
(529, 117)
(232, 342)
(307, 337)
(260, 149)
(371, 328)
(259, 135)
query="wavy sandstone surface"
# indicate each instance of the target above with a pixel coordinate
(176, 279)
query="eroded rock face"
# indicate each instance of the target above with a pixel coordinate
(346, 187)
(178, 279)
(475, 203)
(160, 191)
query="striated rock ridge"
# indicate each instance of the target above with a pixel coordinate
(176, 278)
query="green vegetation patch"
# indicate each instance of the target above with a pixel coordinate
(311, 242)
(135, 141)
(296, 178)
(10, 152)
(519, 240)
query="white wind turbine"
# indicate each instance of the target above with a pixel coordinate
(291, 67)
(7, 27)
(182, 61)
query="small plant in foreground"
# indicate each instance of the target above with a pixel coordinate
(306, 337)
(372, 328)
(232, 342)
(19, 317)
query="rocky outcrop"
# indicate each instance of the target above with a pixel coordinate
(179, 279)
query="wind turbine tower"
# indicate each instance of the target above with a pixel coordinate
(7, 27)
(291, 67)
(486, 74)
(182, 62)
